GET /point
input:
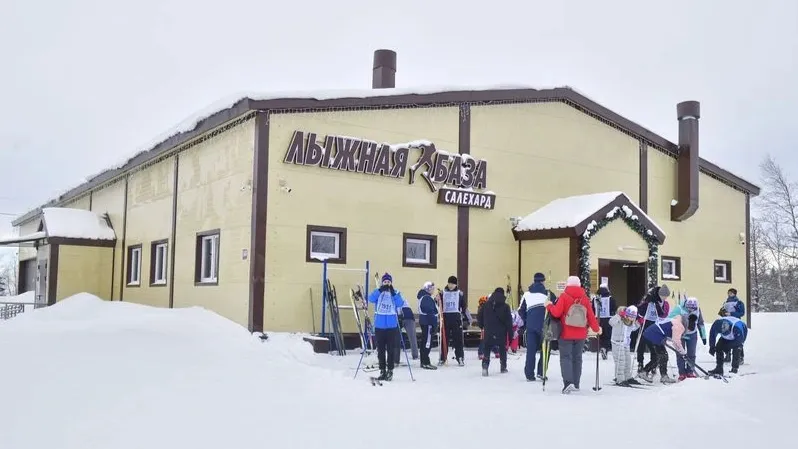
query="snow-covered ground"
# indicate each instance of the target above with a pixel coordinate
(27, 298)
(86, 373)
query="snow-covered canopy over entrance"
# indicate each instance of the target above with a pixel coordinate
(66, 226)
(571, 216)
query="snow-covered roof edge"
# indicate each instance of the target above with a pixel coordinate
(236, 105)
(67, 223)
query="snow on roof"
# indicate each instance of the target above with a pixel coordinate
(76, 224)
(571, 211)
(22, 239)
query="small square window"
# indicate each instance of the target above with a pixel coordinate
(206, 270)
(134, 265)
(722, 271)
(158, 262)
(325, 243)
(419, 250)
(671, 268)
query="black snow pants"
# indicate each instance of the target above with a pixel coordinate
(659, 358)
(453, 333)
(387, 339)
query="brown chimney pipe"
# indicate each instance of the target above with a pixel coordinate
(384, 71)
(688, 113)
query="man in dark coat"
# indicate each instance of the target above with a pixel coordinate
(604, 307)
(495, 318)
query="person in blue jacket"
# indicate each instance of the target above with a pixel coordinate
(533, 312)
(428, 320)
(387, 302)
(732, 332)
(735, 308)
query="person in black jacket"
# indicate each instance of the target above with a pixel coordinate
(604, 307)
(495, 318)
(428, 320)
(454, 305)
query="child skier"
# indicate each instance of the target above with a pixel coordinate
(656, 335)
(695, 330)
(387, 301)
(495, 318)
(512, 344)
(623, 323)
(733, 333)
(427, 319)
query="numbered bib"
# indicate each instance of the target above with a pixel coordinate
(385, 305)
(451, 302)
(651, 312)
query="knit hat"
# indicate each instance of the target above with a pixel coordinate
(630, 312)
(539, 277)
(483, 300)
(452, 280)
(664, 291)
(603, 291)
(691, 304)
(387, 277)
(428, 286)
(573, 281)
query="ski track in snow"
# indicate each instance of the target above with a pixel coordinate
(92, 374)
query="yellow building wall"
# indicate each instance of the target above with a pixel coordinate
(537, 153)
(149, 218)
(213, 193)
(111, 200)
(712, 233)
(81, 202)
(549, 257)
(29, 227)
(376, 212)
(617, 241)
(83, 269)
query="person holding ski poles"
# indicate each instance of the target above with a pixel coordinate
(427, 319)
(654, 306)
(603, 306)
(573, 307)
(533, 311)
(663, 332)
(733, 333)
(695, 330)
(454, 305)
(735, 308)
(623, 323)
(387, 301)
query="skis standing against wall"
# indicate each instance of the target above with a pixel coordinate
(335, 318)
(356, 311)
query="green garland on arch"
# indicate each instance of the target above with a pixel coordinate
(625, 213)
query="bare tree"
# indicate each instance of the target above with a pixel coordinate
(8, 276)
(779, 205)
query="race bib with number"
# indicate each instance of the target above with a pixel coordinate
(651, 312)
(451, 302)
(385, 305)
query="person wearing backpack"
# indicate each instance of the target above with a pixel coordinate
(576, 315)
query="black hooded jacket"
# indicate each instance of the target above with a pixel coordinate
(495, 317)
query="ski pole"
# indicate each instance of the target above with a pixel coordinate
(598, 350)
(402, 342)
(362, 354)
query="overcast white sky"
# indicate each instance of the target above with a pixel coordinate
(84, 83)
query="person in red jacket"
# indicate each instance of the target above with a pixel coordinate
(575, 312)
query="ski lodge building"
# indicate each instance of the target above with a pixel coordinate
(236, 212)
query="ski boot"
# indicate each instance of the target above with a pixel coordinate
(383, 375)
(389, 375)
(666, 379)
(504, 370)
(623, 383)
(733, 370)
(567, 389)
(715, 372)
(429, 367)
(460, 361)
(682, 377)
(633, 381)
(542, 377)
(484, 370)
(648, 377)
(692, 375)
(441, 362)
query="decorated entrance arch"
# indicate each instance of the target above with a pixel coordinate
(633, 221)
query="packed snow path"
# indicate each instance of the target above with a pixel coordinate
(92, 374)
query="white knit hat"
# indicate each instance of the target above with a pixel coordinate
(573, 281)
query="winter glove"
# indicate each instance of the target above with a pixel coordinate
(712, 352)
(704, 341)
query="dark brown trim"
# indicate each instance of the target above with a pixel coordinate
(198, 257)
(260, 194)
(128, 254)
(573, 256)
(82, 242)
(151, 280)
(519, 270)
(728, 271)
(748, 251)
(433, 250)
(678, 261)
(620, 201)
(113, 273)
(52, 275)
(123, 265)
(173, 233)
(333, 230)
(390, 99)
(463, 212)
(91, 199)
(687, 160)
(643, 170)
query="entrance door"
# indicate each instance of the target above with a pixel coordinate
(636, 286)
(626, 280)
(42, 265)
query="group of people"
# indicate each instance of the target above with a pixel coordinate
(561, 323)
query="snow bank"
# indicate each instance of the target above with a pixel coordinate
(87, 373)
(76, 224)
(24, 297)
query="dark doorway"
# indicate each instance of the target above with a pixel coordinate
(626, 280)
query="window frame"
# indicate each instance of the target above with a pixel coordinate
(316, 229)
(727, 267)
(199, 257)
(432, 240)
(154, 263)
(677, 268)
(133, 249)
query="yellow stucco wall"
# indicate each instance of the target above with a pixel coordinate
(213, 194)
(149, 213)
(111, 200)
(712, 233)
(81, 202)
(374, 209)
(617, 241)
(549, 257)
(537, 153)
(83, 269)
